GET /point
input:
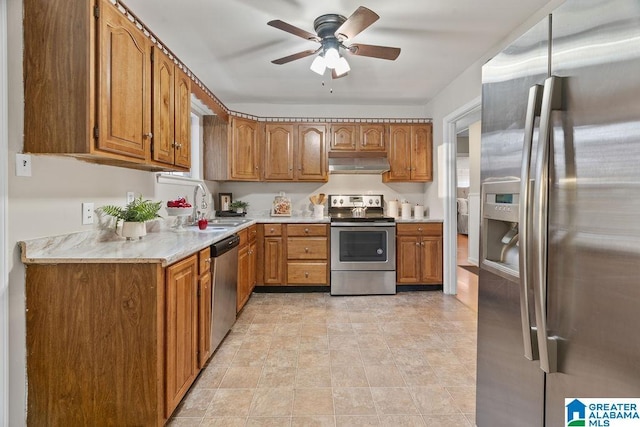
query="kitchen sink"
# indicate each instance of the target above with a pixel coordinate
(220, 225)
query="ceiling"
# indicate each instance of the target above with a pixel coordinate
(229, 46)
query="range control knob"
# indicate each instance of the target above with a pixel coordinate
(341, 201)
(370, 201)
(377, 201)
(335, 201)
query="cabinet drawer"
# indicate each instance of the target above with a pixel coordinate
(306, 230)
(252, 232)
(272, 230)
(307, 273)
(419, 229)
(204, 261)
(244, 237)
(307, 248)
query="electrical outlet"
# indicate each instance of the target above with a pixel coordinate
(87, 213)
(23, 164)
(130, 196)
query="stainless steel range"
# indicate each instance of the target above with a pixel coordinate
(363, 246)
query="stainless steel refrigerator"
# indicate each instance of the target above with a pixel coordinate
(559, 284)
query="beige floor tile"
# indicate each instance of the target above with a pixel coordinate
(285, 342)
(313, 377)
(393, 401)
(261, 329)
(268, 422)
(184, 422)
(357, 421)
(210, 377)
(241, 377)
(348, 376)
(346, 357)
(343, 342)
(224, 422)
(281, 358)
(313, 343)
(313, 329)
(454, 375)
(287, 329)
(458, 420)
(223, 356)
(373, 340)
(401, 421)
(313, 401)
(376, 356)
(230, 403)
(274, 376)
(464, 398)
(433, 400)
(419, 375)
(272, 402)
(384, 376)
(195, 404)
(249, 358)
(313, 421)
(314, 358)
(409, 357)
(353, 401)
(340, 329)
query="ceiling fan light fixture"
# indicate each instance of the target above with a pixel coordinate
(342, 67)
(319, 65)
(331, 57)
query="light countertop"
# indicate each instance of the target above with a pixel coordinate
(161, 245)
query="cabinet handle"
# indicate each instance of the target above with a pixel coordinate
(306, 274)
(208, 260)
(422, 243)
(419, 228)
(178, 145)
(306, 230)
(306, 250)
(417, 243)
(271, 230)
(148, 135)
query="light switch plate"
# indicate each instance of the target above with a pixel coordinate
(23, 164)
(130, 196)
(87, 213)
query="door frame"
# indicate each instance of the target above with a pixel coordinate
(466, 114)
(4, 172)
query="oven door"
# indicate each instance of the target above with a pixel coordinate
(362, 246)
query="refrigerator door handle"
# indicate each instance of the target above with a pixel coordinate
(528, 333)
(551, 100)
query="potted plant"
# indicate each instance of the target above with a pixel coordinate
(134, 216)
(238, 206)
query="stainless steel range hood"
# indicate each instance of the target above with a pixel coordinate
(358, 165)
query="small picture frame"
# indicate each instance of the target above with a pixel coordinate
(224, 201)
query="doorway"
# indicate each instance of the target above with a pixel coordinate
(453, 124)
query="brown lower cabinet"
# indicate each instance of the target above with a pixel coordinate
(419, 253)
(113, 343)
(293, 254)
(246, 265)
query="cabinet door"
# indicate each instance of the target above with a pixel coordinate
(253, 258)
(181, 318)
(372, 137)
(312, 158)
(421, 153)
(243, 277)
(163, 107)
(124, 78)
(182, 119)
(399, 153)
(431, 259)
(408, 259)
(244, 150)
(273, 261)
(278, 165)
(204, 319)
(344, 136)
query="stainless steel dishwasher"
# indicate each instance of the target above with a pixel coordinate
(225, 283)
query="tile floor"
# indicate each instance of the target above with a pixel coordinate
(316, 360)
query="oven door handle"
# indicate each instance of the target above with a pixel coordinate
(364, 224)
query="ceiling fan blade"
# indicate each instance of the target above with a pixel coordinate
(281, 25)
(335, 76)
(382, 52)
(357, 22)
(295, 56)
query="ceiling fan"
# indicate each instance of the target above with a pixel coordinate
(332, 31)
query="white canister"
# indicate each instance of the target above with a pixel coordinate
(406, 211)
(318, 211)
(418, 211)
(392, 208)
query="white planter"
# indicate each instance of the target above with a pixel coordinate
(239, 210)
(133, 230)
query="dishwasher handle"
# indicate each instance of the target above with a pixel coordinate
(224, 245)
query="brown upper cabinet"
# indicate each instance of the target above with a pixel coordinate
(88, 91)
(295, 152)
(171, 112)
(358, 137)
(244, 147)
(410, 153)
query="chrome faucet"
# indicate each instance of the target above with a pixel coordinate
(203, 205)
